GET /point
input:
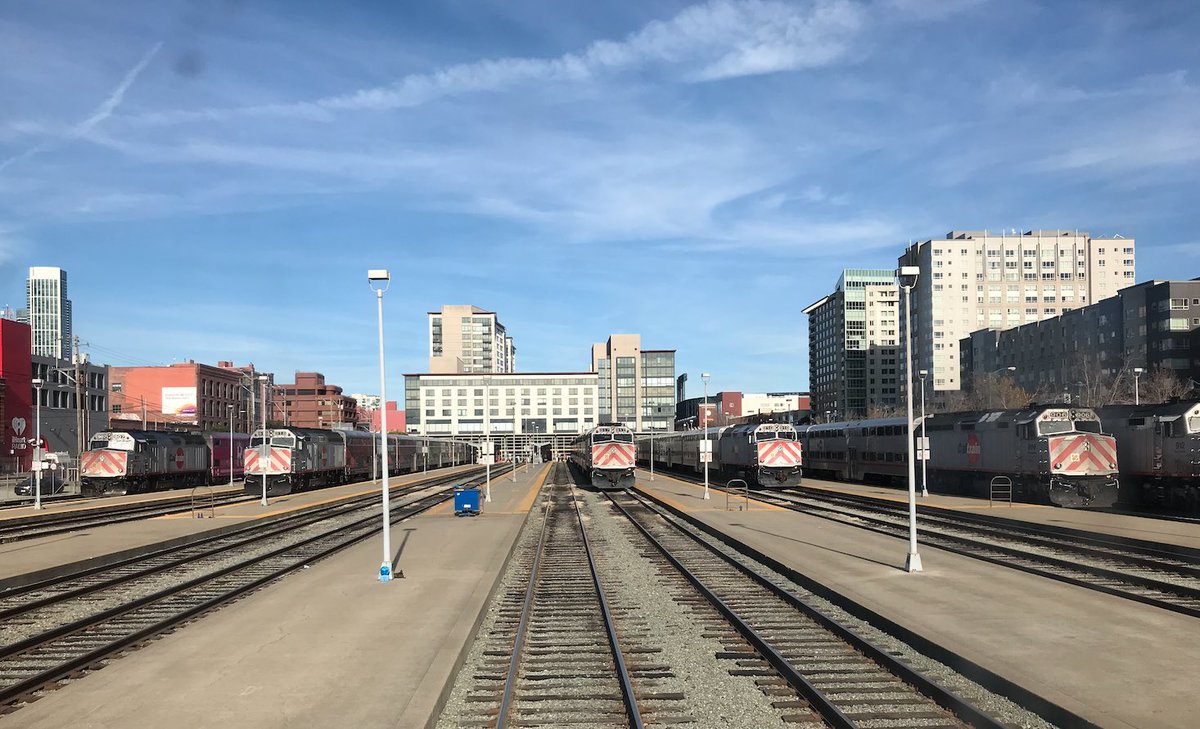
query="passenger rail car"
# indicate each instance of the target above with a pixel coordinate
(1052, 453)
(130, 462)
(767, 455)
(1158, 451)
(606, 456)
(297, 459)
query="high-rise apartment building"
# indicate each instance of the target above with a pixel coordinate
(636, 386)
(49, 312)
(853, 337)
(1150, 325)
(976, 280)
(469, 339)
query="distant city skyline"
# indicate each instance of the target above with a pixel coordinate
(217, 181)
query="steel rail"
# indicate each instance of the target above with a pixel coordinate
(631, 706)
(510, 679)
(815, 697)
(345, 534)
(944, 697)
(188, 554)
(1018, 559)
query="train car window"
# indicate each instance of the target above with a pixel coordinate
(1141, 421)
(601, 438)
(623, 437)
(99, 444)
(786, 435)
(765, 436)
(1087, 426)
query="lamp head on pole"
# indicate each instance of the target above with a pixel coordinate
(38, 382)
(379, 276)
(1138, 370)
(907, 275)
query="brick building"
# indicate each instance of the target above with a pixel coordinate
(310, 402)
(16, 406)
(182, 396)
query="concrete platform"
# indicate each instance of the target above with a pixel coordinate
(1146, 528)
(59, 505)
(1113, 661)
(33, 555)
(329, 646)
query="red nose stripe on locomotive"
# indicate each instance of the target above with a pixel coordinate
(779, 453)
(103, 463)
(612, 455)
(280, 461)
(1082, 454)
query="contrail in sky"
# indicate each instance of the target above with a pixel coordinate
(102, 112)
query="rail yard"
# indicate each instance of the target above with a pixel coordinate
(579, 599)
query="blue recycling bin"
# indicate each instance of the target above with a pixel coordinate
(466, 502)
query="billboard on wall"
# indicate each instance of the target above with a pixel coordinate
(179, 401)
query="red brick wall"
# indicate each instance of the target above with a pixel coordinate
(16, 368)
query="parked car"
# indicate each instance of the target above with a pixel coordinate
(52, 484)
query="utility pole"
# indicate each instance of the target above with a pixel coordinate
(81, 419)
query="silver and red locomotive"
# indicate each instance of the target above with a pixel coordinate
(1158, 450)
(606, 456)
(1052, 453)
(130, 462)
(767, 455)
(297, 459)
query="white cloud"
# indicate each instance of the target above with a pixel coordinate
(720, 39)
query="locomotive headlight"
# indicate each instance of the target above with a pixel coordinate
(1112, 465)
(1058, 465)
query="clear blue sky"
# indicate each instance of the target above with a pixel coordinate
(217, 176)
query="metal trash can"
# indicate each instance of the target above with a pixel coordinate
(466, 502)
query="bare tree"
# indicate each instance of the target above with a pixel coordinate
(885, 411)
(1161, 385)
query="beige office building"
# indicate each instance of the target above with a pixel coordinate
(466, 338)
(636, 386)
(977, 279)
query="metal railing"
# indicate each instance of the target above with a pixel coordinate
(1000, 489)
(730, 487)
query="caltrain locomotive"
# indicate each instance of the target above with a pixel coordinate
(129, 462)
(297, 459)
(1158, 451)
(767, 455)
(1052, 453)
(606, 456)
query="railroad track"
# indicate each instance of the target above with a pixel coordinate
(839, 678)
(50, 523)
(56, 629)
(555, 657)
(1165, 578)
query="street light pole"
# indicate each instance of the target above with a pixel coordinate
(707, 444)
(229, 409)
(385, 569)
(37, 447)
(265, 453)
(908, 278)
(1137, 373)
(924, 445)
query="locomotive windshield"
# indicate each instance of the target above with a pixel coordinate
(1087, 426)
(1054, 427)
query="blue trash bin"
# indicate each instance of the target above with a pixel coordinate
(466, 502)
